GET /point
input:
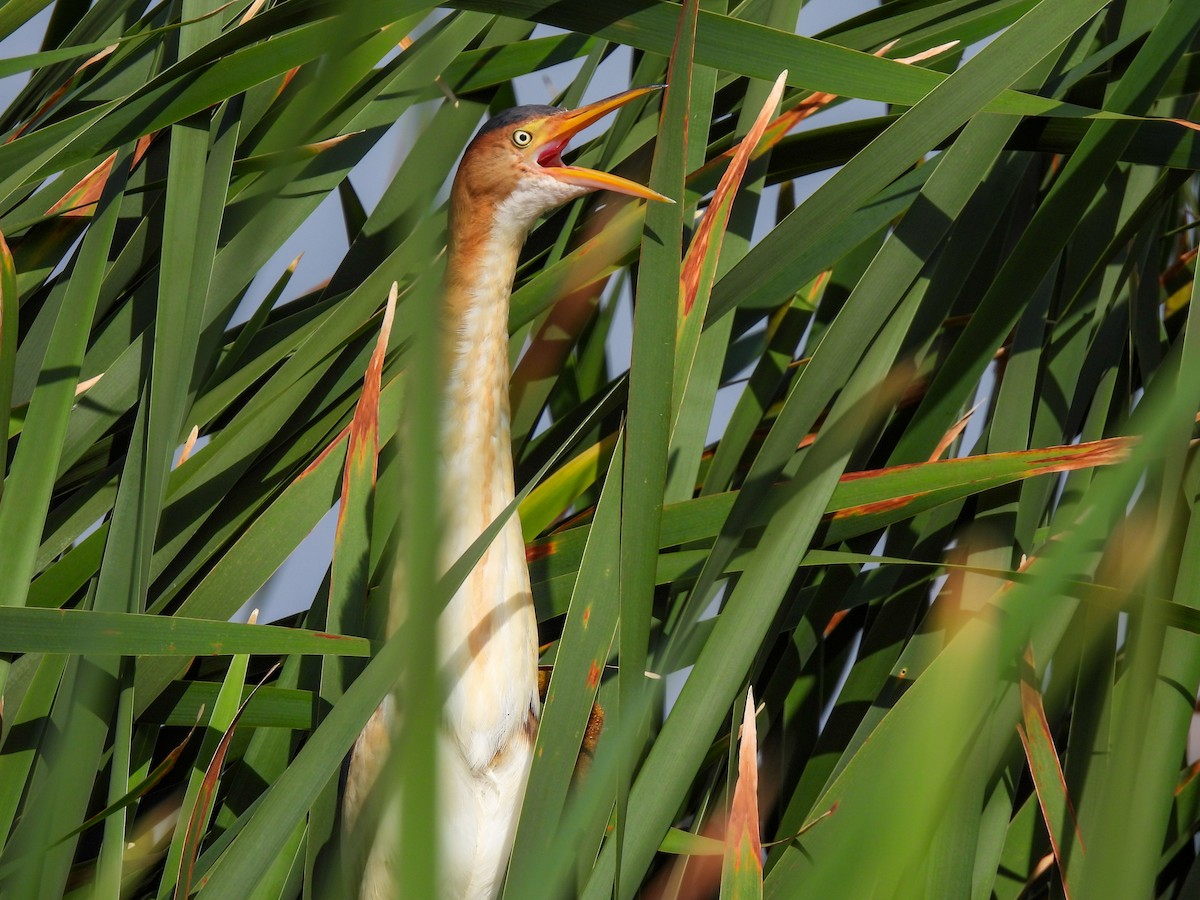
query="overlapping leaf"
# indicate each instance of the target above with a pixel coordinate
(999, 275)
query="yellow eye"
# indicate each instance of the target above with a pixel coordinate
(522, 138)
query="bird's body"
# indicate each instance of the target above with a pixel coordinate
(510, 175)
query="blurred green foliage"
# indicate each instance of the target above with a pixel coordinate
(977, 675)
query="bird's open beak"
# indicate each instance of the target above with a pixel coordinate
(561, 128)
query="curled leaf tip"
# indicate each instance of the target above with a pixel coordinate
(87, 384)
(928, 54)
(188, 445)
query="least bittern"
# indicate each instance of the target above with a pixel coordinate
(511, 174)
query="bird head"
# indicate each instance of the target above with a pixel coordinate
(514, 169)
